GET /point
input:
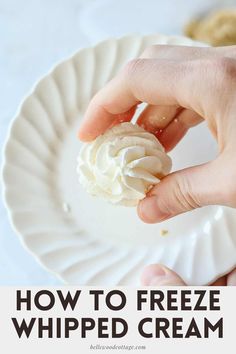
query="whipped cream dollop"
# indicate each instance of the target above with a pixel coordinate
(123, 164)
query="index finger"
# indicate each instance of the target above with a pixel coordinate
(154, 81)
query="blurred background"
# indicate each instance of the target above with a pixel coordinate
(36, 34)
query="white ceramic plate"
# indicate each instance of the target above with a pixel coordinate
(86, 240)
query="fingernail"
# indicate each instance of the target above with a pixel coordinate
(150, 212)
(159, 275)
(155, 275)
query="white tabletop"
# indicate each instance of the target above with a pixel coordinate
(34, 35)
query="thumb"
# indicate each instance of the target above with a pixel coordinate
(157, 274)
(183, 191)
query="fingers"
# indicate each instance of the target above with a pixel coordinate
(157, 274)
(157, 117)
(168, 123)
(100, 119)
(143, 80)
(174, 78)
(183, 191)
(231, 278)
(178, 127)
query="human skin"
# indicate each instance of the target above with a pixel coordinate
(159, 275)
(183, 86)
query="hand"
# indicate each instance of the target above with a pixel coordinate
(160, 275)
(185, 85)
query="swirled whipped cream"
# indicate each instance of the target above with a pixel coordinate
(123, 164)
